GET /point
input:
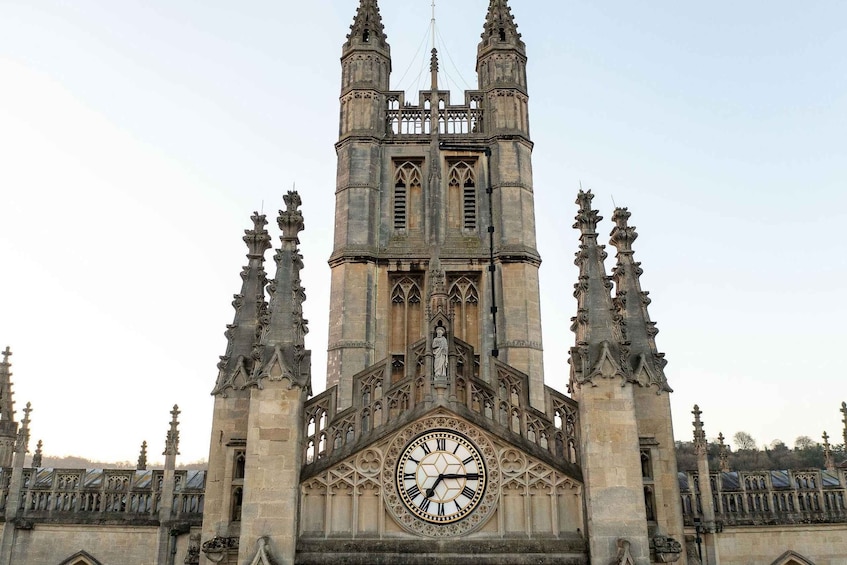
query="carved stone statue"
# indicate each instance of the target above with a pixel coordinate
(439, 353)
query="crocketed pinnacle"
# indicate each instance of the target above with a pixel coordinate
(600, 349)
(367, 28)
(142, 458)
(631, 302)
(8, 426)
(700, 443)
(22, 442)
(500, 26)
(250, 312)
(282, 353)
(38, 455)
(172, 439)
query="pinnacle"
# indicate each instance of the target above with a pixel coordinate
(631, 304)
(600, 344)
(500, 24)
(250, 306)
(367, 28)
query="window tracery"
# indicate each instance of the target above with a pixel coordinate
(464, 297)
(461, 181)
(406, 319)
(407, 196)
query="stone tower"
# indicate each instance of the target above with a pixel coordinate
(425, 179)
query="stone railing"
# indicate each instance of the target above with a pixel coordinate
(769, 497)
(379, 402)
(83, 495)
(405, 119)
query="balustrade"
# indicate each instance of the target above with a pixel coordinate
(770, 497)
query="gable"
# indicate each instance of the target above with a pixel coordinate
(81, 558)
(792, 558)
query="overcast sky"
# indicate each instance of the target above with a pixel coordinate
(136, 138)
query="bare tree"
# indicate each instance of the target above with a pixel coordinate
(743, 440)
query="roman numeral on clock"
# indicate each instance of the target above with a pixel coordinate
(426, 448)
(468, 492)
(441, 444)
(414, 491)
(424, 505)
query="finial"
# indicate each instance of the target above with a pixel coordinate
(586, 218)
(622, 234)
(829, 461)
(22, 445)
(291, 219)
(699, 433)
(172, 440)
(6, 354)
(433, 69)
(36, 457)
(142, 458)
(724, 464)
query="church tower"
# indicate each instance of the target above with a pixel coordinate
(426, 179)
(436, 440)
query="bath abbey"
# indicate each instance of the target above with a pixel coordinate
(436, 440)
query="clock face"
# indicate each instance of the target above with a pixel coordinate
(441, 476)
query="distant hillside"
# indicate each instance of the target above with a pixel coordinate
(76, 462)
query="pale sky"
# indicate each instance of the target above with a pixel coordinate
(136, 138)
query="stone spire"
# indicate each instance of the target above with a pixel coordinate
(282, 346)
(243, 334)
(631, 302)
(500, 26)
(8, 425)
(367, 29)
(142, 457)
(600, 350)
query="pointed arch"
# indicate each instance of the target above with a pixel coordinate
(461, 198)
(81, 558)
(464, 297)
(792, 558)
(407, 196)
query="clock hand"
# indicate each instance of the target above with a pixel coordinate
(431, 490)
(469, 476)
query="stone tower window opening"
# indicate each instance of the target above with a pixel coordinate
(462, 196)
(239, 466)
(407, 197)
(237, 501)
(464, 297)
(406, 319)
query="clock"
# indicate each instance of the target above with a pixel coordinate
(441, 476)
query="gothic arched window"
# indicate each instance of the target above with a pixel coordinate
(464, 296)
(406, 318)
(461, 199)
(407, 197)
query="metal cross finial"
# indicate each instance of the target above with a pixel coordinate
(6, 353)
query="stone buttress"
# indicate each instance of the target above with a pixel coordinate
(602, 383)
